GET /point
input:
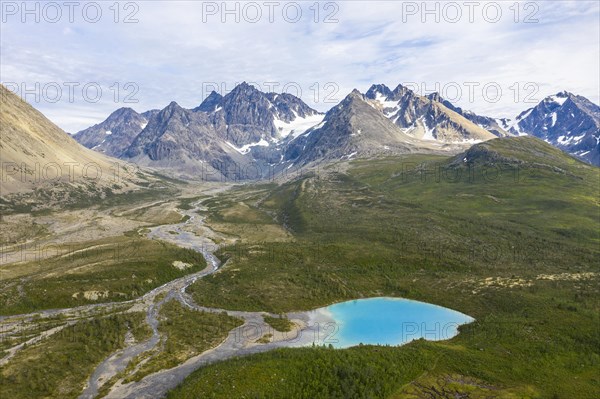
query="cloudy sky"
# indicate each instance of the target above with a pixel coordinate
(494, 58)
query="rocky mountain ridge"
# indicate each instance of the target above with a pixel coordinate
(273, 131)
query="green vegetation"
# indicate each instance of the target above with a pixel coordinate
(188, 333)
(281, 323)
(237, 215)
(187, 203)
(26, 331)
(106, 270)
(361, 372)
(509, 236)
(507, 233)
(59, 365)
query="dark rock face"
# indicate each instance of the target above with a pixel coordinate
(150, 114)
(568, 122)
(248, 115)
(235, 129)
(211, 103)
(381, 89)
(352, 128)
(172, 132)
(116, 133)
(239, 128)
(185, 141)
(288, 106)
(249, 129)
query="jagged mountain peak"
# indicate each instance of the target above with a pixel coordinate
(171, 111)
(120, 115)
(243, 125)
(380, 89)
(113, 135)
(498, 127)
(382, 92)
(174, 135)
(353, 100)
(283, 106)
(562, 95)
(243, 89)
(210, 103)
(173, 105)
(567, 121)
(353, 95)
(431, 117)
(279, 128)
(354, 127)
(401, 91)
(435, 96)
(246, 95)
(123, 111)
(246, 115)
(249, 117)
(289, 107)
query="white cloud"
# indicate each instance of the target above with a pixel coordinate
(171, 54)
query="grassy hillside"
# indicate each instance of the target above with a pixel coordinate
(507, 233)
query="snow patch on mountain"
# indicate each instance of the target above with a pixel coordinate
(386, 104)
(559, 98)
(428, 135)
(245, 149)
(297, 126)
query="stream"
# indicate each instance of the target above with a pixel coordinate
(315, 327)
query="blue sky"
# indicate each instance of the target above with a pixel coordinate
(180, 50)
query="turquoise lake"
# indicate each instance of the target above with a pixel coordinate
(387, 321)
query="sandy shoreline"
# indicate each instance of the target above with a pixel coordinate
(317, 326)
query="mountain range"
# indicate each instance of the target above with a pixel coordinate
(251, 135)
(252, 130)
